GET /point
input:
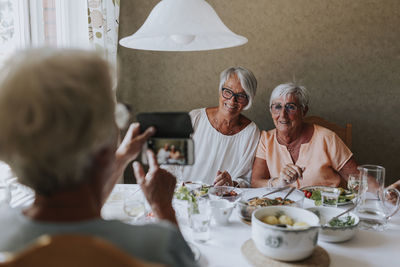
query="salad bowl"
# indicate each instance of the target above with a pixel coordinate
(339, 230)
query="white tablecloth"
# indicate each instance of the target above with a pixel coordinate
(367, 248)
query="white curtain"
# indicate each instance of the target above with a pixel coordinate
(103, 27)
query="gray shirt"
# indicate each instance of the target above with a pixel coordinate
(161, 243)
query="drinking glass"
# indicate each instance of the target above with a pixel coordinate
(353, 183)
(374, 206)
(134, 204)
(330, 197)
(199, 211)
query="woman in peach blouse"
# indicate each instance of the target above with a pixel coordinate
(297, 153)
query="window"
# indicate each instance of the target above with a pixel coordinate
(31, 23)
(11, 34)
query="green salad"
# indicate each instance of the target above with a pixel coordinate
(342, 222)
(183, 193)
(315, 194)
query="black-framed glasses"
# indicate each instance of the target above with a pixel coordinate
(240, 98)
(290, 108)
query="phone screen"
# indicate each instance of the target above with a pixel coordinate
(173, 151)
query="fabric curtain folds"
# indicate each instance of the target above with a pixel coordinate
(103, 22)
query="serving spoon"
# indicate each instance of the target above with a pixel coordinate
(340, 214)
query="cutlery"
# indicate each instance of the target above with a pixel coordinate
(343, 213)
(277, 190)
(274, 191)
(290, 191)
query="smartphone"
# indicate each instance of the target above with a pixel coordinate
(171, 143)
(171, 151)
(167, 124)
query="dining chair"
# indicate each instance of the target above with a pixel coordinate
(73, 250)
(343, 132)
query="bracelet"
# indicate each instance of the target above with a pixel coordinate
(269, 184)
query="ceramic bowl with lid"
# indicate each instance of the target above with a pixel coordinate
(285, 243)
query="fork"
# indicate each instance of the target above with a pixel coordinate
(290, 191)
(274, 191)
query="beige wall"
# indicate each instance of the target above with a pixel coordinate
(347, 53)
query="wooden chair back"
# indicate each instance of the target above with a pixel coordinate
(343, 132)
(73, 250)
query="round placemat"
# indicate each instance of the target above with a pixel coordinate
(319, 258)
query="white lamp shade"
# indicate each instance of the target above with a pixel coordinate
(183, 25)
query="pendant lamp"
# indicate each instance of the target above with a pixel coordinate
(183, 25)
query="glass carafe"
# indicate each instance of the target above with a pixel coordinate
(376, 204)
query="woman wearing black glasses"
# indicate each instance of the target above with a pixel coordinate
(298, 153)
(225, 140)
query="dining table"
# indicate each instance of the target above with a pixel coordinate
(224, 248)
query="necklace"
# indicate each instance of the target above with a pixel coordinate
(219, 128)
(292, 146)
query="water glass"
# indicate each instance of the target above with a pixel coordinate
(199, 211)
(353, 183)
(134, 204)
(330, 197)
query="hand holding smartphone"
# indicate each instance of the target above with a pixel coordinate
(171, 143)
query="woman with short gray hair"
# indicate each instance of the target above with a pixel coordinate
(59, 135)
(297, 152)
(225, 140)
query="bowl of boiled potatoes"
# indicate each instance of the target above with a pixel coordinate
(285, 233)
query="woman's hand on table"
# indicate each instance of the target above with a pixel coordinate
(158, 186)
(392, 195)
(290, 174)
(395, 185)
(223, 179)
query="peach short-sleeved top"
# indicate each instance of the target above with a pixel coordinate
(322, 157)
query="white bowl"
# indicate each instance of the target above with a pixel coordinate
(334, 234)
(283, 243)
(221, 210)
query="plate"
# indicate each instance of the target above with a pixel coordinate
(347, 195)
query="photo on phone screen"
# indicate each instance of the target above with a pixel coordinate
(172, 151)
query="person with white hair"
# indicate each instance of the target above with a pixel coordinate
(59, 135)
(224, 139)
(296, 153)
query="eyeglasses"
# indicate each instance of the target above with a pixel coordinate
(290, 108)
(240, 98)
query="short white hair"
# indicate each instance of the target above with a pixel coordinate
(300, 92)
(56, 112)
(247, 80)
